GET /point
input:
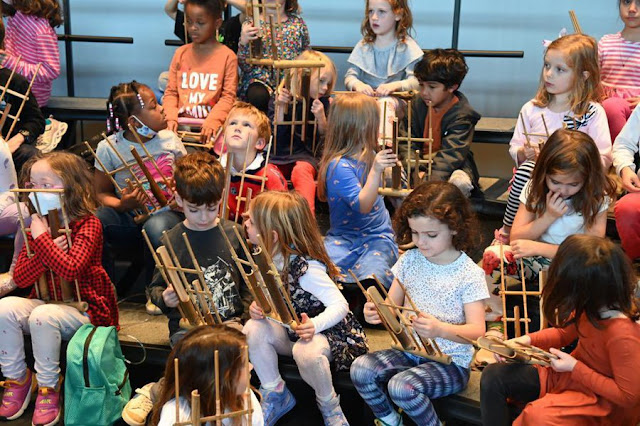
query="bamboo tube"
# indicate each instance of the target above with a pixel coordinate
(524, 297)
(503, 296)
(24, 100)
(201, 278)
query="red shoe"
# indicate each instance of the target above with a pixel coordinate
(47, 411)
(17, 396)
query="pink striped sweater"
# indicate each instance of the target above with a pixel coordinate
(619, 66)
(35, 41)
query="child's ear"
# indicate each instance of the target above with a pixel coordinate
(132, 122)
(260, 144)
(274, 235)
(218, 23)
(586, 75)
(453, 88)
(179, 200)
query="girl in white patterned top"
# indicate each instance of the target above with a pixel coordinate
(448, 289)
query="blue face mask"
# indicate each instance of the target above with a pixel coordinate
(144, 131)
(46, 201)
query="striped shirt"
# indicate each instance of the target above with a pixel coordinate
(34, 40)
(619, 66)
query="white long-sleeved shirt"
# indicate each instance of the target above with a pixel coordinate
(627, 144)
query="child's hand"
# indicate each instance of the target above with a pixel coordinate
(62, 243)
(170, 297)
(633, 102)
(371, 313)
(513, 342)
(248, 33)
(427, 325)
(524, 248)
(556, 206)
(531, 151)
(564, 363)
(317, 108)
(305, 330)
(385, 158)
(173, 126)
(206, 133)
(284, 96)
(364, 88)
(255, 311)
(630, 180)
(38, 226)
(132, 199)
(385, 89)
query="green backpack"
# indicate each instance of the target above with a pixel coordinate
(97, 384)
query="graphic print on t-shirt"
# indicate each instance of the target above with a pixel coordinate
(198, 85)
(223, 288)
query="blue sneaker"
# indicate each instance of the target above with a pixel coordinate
(276, 404)
(332, 412)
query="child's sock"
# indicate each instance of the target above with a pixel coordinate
(277, 385)
(392, 419)
(326, 400)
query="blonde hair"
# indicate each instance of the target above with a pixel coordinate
(289, 215)
(262, 121)
(403, 26)
(295, 74)
(581, 55)
(353, 121)
(79, 192)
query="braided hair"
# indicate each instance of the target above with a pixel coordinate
(124, 101)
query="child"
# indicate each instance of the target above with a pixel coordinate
(620, 67)
(246, 126)
(625, 148)
(567, 96)
(48, 324)
(569, 193)
(328, 331)
(360, 236)
(31, 40)
(197, 372)
(440, 73)
(133, 104)
(300, 163)
(448, 289)
(383, 61)
(257, 83)
(589, 292)
(203, 76)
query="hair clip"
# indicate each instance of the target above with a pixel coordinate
(117, 124)
(110, 110)
(140, 100)
(108, 125)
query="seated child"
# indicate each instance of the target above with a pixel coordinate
(134, 104)
(247, 132)
(203, 75)
(50, 323)
(298, 160)
(440, 74)
(195, 354)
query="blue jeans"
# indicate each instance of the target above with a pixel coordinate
(123, 235)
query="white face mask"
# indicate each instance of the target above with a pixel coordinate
(46, 200)
(144, 131)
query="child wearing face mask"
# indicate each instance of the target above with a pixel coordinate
(134, 106)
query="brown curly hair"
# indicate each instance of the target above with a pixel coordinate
(442, 201)
(47, 9)
(403, 27)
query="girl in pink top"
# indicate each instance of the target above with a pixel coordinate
(203, 76)
(31, 40)
(620, 67)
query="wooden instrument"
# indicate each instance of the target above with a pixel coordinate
(264, 282)
(23, 96)
(220, 413)
(195, 297)
(399, 326)
(528, 135)
(574, 21)
(513, 351)
(70, 293)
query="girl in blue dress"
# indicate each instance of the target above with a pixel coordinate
(360, 237)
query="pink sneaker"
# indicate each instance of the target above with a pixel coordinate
(47, 411)
(17, 396)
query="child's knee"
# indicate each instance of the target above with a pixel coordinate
(303, 170)
(256, 331)
(43, 314)
(491, 380)
(309, 355)
(401, 389)
(628, 208)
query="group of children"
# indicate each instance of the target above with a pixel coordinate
(556, 219)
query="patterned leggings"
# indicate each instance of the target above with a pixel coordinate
(412, 382)
(520, 179)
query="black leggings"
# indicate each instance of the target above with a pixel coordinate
(501, 381)
(258, 96)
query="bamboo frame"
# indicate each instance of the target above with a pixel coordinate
(399, 327)
(195, 296)
(23, 96)
(67, 290)
(528, 135)
(574, 21)
(263, 281)
(514, 351)
(518, 317)
(256, 11)
(192, 139)
(220, 414)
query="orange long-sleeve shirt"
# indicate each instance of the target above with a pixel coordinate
(201, 88)
(603, 386)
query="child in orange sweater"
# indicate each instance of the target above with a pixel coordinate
(203, 76)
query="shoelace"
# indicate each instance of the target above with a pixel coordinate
(8, 383)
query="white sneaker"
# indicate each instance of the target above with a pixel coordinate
(137, 409)
(152, 309)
